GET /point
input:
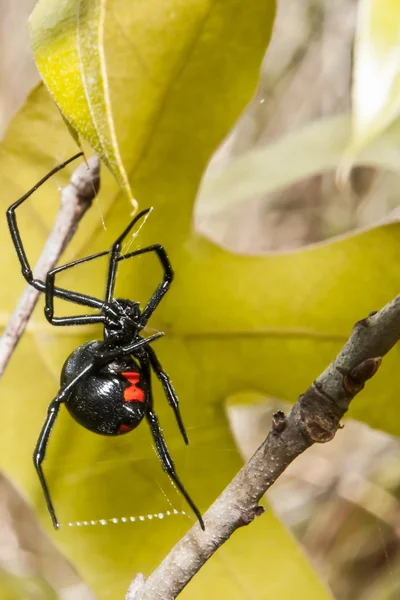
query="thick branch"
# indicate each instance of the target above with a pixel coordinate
(314, 418)
(76, 198)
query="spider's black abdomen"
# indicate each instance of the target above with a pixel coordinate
(111, 400)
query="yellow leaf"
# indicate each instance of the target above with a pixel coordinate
(68, 42)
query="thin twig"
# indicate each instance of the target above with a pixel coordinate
(314, 418)
(76, 198)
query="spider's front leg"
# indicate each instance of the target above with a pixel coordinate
(163, 287)
(72, 297)
(14, 230)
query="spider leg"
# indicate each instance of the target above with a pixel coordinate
(41, 446)
(89, 300)
(161, 446)
(124, 350)
(14, 231)
(94, 302)
(168, 389)
(115, 254)
(164, 286)
(21, 254)
(168, 464)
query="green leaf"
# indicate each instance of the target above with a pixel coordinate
(192, 68)
(376, 88)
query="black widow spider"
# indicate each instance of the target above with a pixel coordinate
(106, 385)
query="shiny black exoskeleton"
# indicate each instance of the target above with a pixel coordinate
(106, 385)
(111, 401)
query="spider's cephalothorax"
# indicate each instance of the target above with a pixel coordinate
(106, 385)
(122, 321)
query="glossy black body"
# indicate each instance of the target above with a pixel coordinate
(106, 385)
(97, 402)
